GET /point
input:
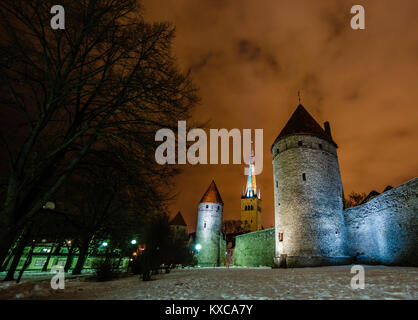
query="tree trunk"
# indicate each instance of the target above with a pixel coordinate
(18, 254)
(84, 249)
(118, 264)
(7, 238)
(6, 262)
(69, 261)
(28, 260)
(45, 267)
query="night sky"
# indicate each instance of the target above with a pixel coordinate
(249, 59)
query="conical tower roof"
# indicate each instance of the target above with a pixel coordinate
(301, 122)
(212, 195)
(178, 220)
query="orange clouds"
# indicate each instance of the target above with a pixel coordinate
(249, 59)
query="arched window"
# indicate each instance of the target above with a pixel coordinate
(252, 207)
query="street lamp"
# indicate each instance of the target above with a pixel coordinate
(133, 241)
(104, 244)
(198, 247)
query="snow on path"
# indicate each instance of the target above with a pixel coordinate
(233, 283)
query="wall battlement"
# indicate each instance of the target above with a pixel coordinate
(385, 229)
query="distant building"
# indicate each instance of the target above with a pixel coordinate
(251, 202)
(179, 226)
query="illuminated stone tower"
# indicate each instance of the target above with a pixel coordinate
(251, 202)
(308, 195)
(209, 239)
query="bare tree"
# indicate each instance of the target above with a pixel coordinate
(232, 226)
(354, 199)
(108, 78)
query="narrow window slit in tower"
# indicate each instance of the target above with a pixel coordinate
(299, 143)
(304, 176)
(204, 225)
(281, 236)
(320, 146)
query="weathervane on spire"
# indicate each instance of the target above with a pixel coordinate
(299, 96)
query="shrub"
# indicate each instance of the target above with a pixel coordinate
(104, 269)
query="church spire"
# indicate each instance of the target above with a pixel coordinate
(251, 190)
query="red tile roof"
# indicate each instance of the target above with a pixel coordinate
(301, 122)
(212, 194)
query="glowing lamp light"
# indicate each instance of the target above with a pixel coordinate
(104, 244)
(133, 241)
(198, 247)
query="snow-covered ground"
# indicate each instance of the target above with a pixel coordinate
(230, 283)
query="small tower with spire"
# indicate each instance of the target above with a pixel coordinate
(179, 226)
(210, 245)
(251, 201)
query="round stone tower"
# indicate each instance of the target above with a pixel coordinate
(308, 195)
(209, 240)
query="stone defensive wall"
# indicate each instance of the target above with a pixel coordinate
(385, 229)
(255, 249)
